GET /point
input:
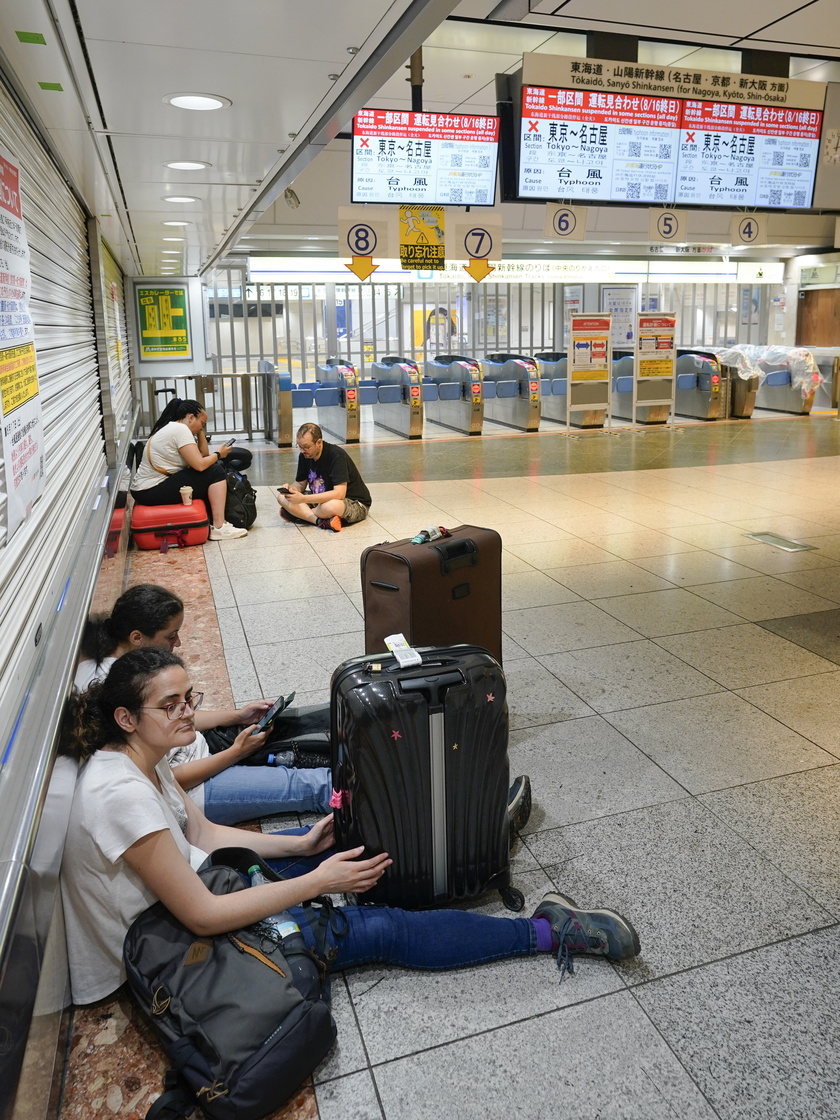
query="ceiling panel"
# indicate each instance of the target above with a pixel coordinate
(280, 28)
(712, 17)
(815, 26)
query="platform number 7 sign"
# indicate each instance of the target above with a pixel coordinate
(478, 241)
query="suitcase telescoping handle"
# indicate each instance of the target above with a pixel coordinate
(456, 554)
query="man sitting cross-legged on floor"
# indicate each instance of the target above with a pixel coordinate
(328, 490)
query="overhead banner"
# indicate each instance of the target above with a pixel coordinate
(422, 238)
(20, 399)
(589, 348)
(656, 352)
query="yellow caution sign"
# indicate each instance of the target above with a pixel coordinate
(422, 238)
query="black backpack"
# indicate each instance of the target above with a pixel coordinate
(241, 504)
(241, 1015)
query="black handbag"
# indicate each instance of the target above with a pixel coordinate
(241, 502)
(242, 1015)
(302, 731)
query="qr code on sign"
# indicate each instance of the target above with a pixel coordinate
(634, 149)
(778, 159)
(775, 198)
(660, 192)
(480, 196)
(634, 190)
(798, 198)
(664, 151)
(455, 160)
(804, 159)
(483, 161)
(456, 194)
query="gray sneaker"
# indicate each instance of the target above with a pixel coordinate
(600, 933)
(519, 805)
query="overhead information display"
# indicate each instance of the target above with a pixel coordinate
(636, 147)
(613, 147)
(747, 155)
(411, 158)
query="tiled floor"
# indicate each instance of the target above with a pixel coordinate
(675, 697)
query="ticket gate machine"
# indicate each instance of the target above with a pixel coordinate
(337, 400)
(517, 399)
(399, 390)
(622, 394)
(552, 369)
(459, 400)
(701, 389)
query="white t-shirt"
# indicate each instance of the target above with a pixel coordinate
(89, 671)
(114, 806)
(165, 448)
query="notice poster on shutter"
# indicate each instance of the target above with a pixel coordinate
(21, 424)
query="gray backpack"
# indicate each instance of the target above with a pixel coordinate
(242, 1015)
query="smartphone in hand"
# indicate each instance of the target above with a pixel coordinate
(283, 490)
(273, 712)
(229, 442)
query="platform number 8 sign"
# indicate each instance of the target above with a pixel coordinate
(361, 240)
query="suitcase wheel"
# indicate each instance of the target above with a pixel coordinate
(512, 898)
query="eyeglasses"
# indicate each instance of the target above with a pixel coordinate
(175, 711)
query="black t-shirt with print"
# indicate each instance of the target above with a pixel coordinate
(332, 467)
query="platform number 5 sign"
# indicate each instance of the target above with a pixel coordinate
(666, 225)
(748, 229)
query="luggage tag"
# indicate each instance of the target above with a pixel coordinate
(405, 655)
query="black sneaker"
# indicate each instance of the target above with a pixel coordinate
(519, 805)
(599, 933)
(284, 513)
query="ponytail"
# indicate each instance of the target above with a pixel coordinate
(145, 607)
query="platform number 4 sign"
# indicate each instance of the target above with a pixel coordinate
(748, 229)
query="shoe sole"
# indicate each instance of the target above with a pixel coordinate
(520, 810)
(570, 904)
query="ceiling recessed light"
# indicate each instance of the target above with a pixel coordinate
(180, 198)
(177, 223)
(187, 165)
(200, 102)
(173, 239)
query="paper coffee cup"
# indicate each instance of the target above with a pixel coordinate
(186, 494)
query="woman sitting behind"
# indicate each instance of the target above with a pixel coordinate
(148, 616)
(133, 839)
(178, 455)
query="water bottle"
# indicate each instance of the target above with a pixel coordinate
(284, 931)
(430, 533)
(281, 923)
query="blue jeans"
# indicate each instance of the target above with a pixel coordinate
(242, 793)
(428, 939)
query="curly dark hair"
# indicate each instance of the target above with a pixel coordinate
(89, 722)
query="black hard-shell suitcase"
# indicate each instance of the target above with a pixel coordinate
(420, 771)
(436, 593)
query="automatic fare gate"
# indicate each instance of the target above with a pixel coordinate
(459, 398)
(337, 400)
(399, 390)
(517, 383)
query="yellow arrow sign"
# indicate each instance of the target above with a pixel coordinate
(479, 270)
(362, 267)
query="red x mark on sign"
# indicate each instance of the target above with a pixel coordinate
(689, 138)
(533, 126)
(363, 143)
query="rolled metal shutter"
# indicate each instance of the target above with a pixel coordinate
(35, 564)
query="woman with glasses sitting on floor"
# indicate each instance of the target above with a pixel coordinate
(134, 838)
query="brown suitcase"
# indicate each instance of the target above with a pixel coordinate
(438, 593)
